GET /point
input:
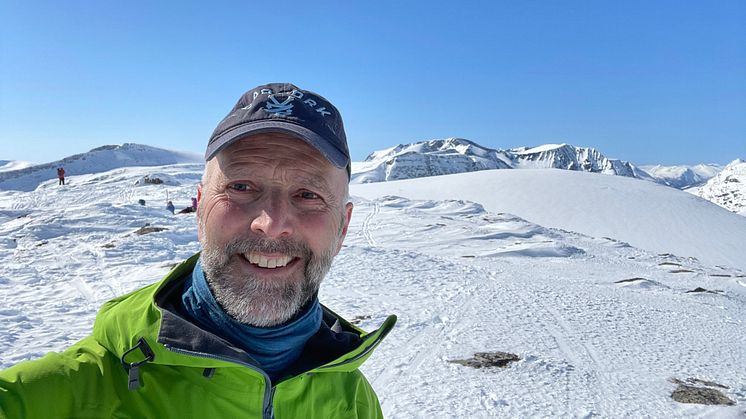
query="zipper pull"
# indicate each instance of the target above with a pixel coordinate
(133, 375)
(133, 369)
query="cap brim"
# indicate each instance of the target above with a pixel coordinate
(332, 153)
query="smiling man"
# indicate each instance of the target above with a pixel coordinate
(237, 330)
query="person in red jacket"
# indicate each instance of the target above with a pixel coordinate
(61, 175)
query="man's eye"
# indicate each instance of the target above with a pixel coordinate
(309, 195)
(239, 187)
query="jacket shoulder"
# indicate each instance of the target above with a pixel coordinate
(61, 384)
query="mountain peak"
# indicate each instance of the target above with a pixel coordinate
(428, 158)
(728, 188)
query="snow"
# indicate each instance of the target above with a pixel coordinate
(585, 277)
(97, 160)
(683, 176)
(646, 215)
(539, 149)
(10, 165)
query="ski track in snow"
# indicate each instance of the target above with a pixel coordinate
(461, 279)
(587, 343)
(366, 228)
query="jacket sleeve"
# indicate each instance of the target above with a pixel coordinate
(368, 406)
(57, 385)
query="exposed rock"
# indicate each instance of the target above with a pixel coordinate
(700, 395)
(621, 281)
(488, 359)
(700, 289)
(669, 264)
(728, 188)
(146, 229)
(150, 180)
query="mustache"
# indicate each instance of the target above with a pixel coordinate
(256, 244)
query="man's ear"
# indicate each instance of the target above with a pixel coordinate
(198, 213)
(346, 223)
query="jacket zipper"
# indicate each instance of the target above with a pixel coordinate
(268, 411)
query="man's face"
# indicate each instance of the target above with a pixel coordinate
(272, 213)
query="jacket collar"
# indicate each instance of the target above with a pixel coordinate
(151, 314)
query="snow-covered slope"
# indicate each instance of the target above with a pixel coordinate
(682, 176)
(9, 165)
(728, 188)
(457, 155)
(645, 214)
(602, 328)
(591, 318)
(99, 159)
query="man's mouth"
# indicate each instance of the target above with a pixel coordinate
(271, 262)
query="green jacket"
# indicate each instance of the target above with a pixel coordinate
(145, 360)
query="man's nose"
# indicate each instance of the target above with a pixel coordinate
(274, 219)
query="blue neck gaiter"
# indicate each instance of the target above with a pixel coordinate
(274, 348)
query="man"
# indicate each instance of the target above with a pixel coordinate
(61, 176)
(238, 330)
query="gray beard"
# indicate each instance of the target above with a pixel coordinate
(261, 303)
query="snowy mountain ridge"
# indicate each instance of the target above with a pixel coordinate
(10, 165)
(422, 159)
(404, 161)
(99, 159)
(683, 176)
(458, 155)
(428, 158)
(569, 157)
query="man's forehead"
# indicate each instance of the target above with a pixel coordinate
(279, 152)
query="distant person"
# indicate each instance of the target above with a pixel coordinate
(61, 175)
(170, 206)
(236, 330)
(192, 208)
(186, 210)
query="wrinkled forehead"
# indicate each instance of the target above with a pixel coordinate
(277, 152)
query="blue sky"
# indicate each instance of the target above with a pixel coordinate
(644, 81)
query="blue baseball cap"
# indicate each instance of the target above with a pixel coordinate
(283, 107)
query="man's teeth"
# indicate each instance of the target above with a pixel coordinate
(268, 262)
